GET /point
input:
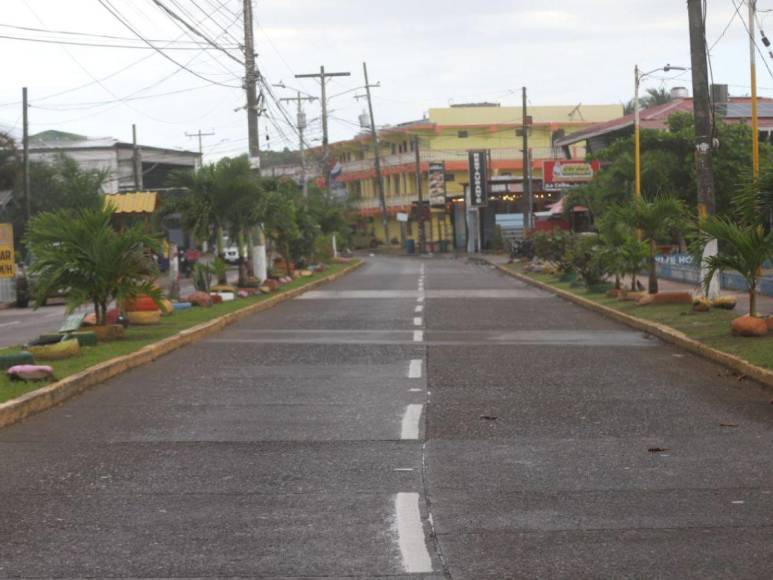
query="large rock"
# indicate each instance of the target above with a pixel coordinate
(199, 299)
(749, 326)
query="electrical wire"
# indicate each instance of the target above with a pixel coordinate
(112, 10)
(172, 14)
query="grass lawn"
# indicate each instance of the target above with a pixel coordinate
(711, 328)
(138, 336)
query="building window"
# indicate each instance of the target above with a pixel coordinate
(462, 134)
(394, 148)
(450, 177)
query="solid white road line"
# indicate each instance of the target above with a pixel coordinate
(414, 369)
(410, 425)
(418, 309)
(12, 323)
(410, 534)
(418, 336)
(415, 390)
(417, 321)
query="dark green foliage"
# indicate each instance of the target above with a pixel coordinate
(81, 252)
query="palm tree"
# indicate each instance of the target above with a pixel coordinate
(656, 97)
(654, 219)
(82, 252)
(743, 248)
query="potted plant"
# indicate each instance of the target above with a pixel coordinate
(82, 252)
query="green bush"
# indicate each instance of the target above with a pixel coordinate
(586, 257)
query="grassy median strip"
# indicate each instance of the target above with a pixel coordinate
(137, 337)
(710, 328)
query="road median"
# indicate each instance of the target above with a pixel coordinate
(32, 402)
(663, 331)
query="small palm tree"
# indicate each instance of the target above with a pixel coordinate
(743, 248)
(654, 219)
(656, 97)
(81, 252)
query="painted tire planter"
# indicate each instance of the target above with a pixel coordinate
(108, 331)
(182, 305)
(140, 304)
(166, 307)
(57, 351)
(226, 296)
(17, 358)
(144, 318)
(30, 372)
(84, 338)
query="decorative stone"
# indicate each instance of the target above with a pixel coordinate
(265, 290)
(144, 317)
(672, 298)
(30, 372)
(199, 299)
(645, 299)
(701, 304)
(749, 326)
(725, 302)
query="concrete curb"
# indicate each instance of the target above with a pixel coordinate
(51, 395)
(662, 331)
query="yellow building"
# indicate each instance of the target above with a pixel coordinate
(447, 135)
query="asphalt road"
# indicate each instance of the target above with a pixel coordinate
(417, 419)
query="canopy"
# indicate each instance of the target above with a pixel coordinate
(136, 202)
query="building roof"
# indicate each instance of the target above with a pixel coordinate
(63, 141)
(738, 109)
(137, 202)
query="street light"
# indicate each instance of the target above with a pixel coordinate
(636, 139)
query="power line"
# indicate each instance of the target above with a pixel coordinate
(107, 6)
(172, 14)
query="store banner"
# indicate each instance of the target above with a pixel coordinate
(561, 173)
(7, 258)
(437, 183)
(478, 178)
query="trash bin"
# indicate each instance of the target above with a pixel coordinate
(410, 247)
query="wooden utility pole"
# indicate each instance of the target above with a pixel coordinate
(422, 232)
(301, 123)
(323, 76)
(251, 87)
(377, 157)
(199, 134)
(258, 262)
(703, 129)
(136, 160)
(526, 125)
(753, 65)
(26, 152)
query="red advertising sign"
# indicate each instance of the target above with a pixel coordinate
(562, 173)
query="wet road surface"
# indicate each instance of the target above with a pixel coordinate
(416, 419)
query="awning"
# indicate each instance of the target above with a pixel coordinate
(138, 202)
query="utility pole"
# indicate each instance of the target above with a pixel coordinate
(136, 160)
(301, 122)
(422, 233)
(26, 151)
(199, 134)
(257, 253)
(703, 129)
(526, 124)
(377, 156)
(323, 76)
(753, 64)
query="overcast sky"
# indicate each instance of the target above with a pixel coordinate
(425, 53)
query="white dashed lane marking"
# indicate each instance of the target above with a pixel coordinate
(410, 534)
(415, 368)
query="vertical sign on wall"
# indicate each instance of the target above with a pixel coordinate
(437, 183)
(478, 178)
(7, 258)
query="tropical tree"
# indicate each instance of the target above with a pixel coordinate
(80, 251)
(654, 219)
(654, 97)
(623, 253)
(743, 248)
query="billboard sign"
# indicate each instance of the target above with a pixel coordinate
(478, 178)
(437, 183)
(7, 258)
(562, 174)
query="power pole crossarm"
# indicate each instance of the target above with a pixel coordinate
(322, 76)
(199, 134)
